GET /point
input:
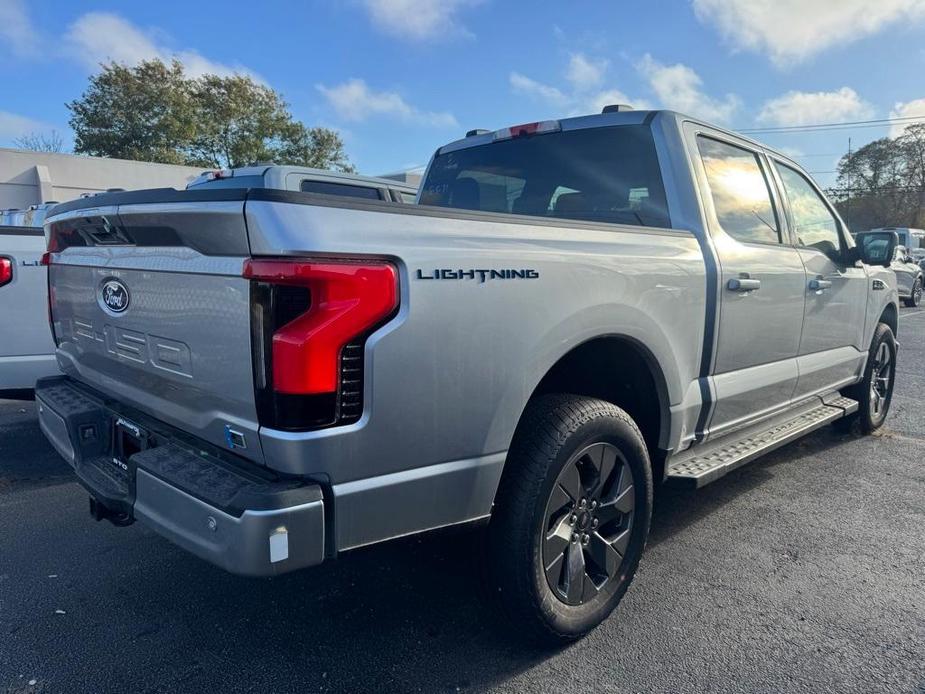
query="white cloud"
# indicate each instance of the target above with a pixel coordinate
(419, 20)
(13, 125)
(909, 109)
(790, 31)
(100, 37)
(16, 30)
(807, 108)
(585, 93)
(526, 85)
(679, 88)
(584, 73)
(355, 101)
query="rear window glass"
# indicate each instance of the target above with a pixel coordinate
(594, 174)
(328, 188)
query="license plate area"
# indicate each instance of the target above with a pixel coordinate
(127, 439)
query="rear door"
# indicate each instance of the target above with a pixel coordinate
(831, 350)
(762, 282)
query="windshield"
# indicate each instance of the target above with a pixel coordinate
(596, 174)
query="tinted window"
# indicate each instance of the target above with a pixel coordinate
(595, 174)
(328, 188)
(741, 197)
(813, 223)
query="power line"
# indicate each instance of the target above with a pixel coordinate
(846, 125)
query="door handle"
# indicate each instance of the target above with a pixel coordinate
(818, 284)
(743, 284)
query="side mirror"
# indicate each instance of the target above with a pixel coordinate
(876, 247)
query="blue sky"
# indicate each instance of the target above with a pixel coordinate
(400, 77)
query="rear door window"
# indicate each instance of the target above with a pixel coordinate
(740, 192)
(330, 188)
(607, 174)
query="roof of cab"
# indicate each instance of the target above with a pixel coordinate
(621, 117)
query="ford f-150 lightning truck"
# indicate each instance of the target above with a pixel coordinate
(574, 311)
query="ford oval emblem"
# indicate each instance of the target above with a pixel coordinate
(114, 296)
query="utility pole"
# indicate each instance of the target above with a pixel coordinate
(850, 184)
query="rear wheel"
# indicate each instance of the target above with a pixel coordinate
(571, 517)
(875, 392)
(916, 297)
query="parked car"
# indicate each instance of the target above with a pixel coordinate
(306, 180)
(582, 308)
(918, 257)
(909, 278)
(907, 236)
(27, 351)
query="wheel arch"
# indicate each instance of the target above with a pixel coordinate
(637, 385)
(890, 316)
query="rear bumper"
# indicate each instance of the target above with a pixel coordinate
(228, 513)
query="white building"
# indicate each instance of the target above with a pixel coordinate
(31, 178)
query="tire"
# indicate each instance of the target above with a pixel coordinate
(916, 297)
(874, 407)
(562, 442)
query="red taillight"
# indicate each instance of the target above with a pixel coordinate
(346, 299)
(6, 271)
(46, 258)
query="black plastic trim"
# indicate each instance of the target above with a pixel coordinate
(21, 231)
(150, 195)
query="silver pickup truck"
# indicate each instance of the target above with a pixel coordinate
(575, 311)
(27, 351)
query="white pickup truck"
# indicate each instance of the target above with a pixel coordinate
(575, 311)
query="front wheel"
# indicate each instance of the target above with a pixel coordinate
(916, 297)
(571, 516)
(875, 391)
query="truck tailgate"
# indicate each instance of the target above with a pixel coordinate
(149, 307)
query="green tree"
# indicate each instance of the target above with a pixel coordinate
(143, 112)
(154, 112)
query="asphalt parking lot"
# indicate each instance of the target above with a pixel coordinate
(803, 572)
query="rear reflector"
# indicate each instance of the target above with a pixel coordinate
(6, 271)
(346, 300)
(539, 128)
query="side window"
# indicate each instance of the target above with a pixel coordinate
(740, 192)
(813, 223)
(329, 188)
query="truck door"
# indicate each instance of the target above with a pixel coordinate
(762, 283)
(831, 347)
